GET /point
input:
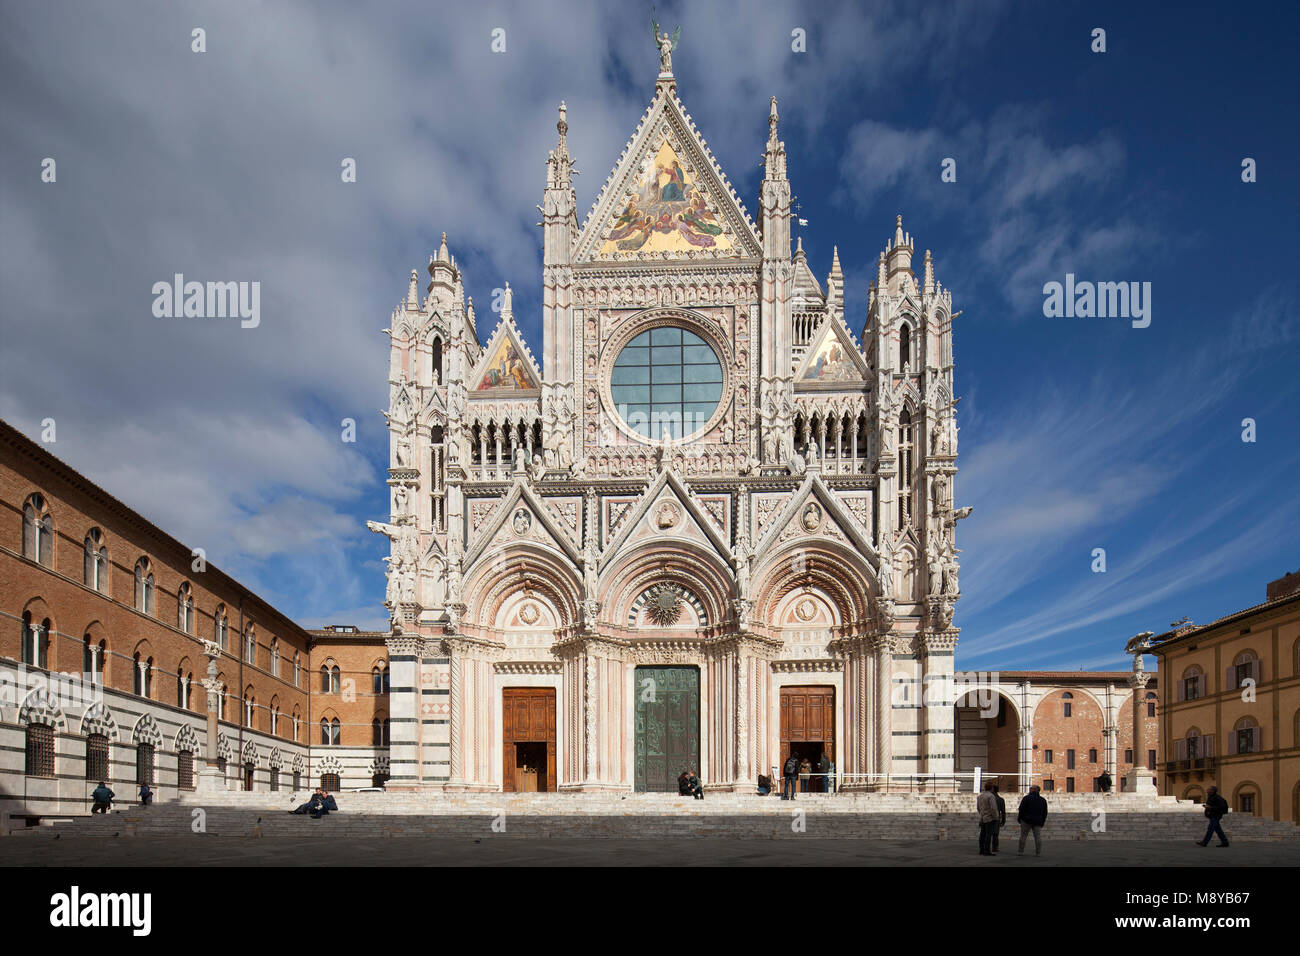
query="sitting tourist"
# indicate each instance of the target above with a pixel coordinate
(764, 785)
(684, 783)
(312, 805)
(326, 804)
(694, 787)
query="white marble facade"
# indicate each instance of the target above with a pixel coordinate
(797, 527)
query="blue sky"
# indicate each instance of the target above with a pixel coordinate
(1076, 433)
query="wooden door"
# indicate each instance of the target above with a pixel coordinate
(807, 725)
(667, 726)
(528, 725)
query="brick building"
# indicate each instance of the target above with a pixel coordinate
(103, 663)
(1059, 729)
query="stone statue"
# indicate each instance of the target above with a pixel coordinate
(886, 574)
(400, 501)
(935, 566)
(666, 45)
(392, 594)
(403, 453)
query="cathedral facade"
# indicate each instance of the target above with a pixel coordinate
(706, 527)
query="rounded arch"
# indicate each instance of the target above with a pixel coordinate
(1247, 787)
(1193, 793)
(146, 731)
(524, 566)
(186, 739)
(39, 530)
(330, 764)
(98, 719)
(39, 610)
(40, 708)
(841, 574)
(963, 699)
(1078, 695)
(685, 564)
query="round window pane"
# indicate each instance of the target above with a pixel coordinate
(666, 380)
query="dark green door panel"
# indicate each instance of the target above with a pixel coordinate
(667, 726)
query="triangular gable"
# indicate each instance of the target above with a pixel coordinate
(668, 489)
(833, 359)
(506, 366)
(667, 198)
(538, 525)
(834, 511)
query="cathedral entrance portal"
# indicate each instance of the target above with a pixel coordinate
(528, 745)
(667, 726)
(808, 729)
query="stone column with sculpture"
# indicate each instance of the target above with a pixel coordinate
(210, 778)
(1139, 780)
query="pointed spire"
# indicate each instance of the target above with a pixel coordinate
(772, 118)
(928, 279)
(798, 248)
(880, 273)
(563, 124)
(835, 282)
(443, 256)
(413, 291)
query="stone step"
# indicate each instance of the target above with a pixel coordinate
(176, 819)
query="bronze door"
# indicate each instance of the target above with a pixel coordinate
(528, 739)
(667, 726)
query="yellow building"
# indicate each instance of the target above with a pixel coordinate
(1231, 714)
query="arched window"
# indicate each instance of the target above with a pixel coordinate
(38, 531)
(144, 586)
(297, 721)
(185, 608)
(143, 683)
(437, 361)
(297, 670)
(250, 645)
(379, 679)
(904, 468)
(94, 657)
(905, 348)
(96, 561)
(1192, 685)
(97, 757)
(1067, 700)
(184, 679)
(1151, 703)
(329, 782)
(40, 750)
(330, 682)
(379, 732)
(275, 716)
(144, 764)
(250, 705)
(36, 641)
(1244, 672)
(330, 731)
(1246, 737)
(275, 657)
(221, 628)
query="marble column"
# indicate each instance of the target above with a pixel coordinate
(405, 711)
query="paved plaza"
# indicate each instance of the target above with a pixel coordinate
(190, 850)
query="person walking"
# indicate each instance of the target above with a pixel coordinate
(102, 797)
(789, 777)
(146, 795)
(1031, 816)
(1002, 818)
(1215, 808)
(986, 805)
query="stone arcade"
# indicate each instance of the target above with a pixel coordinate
(712, 527)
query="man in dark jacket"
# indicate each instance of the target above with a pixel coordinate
(312, 805)
(103, 798)
(1215, 808)
(696, 788)
(1002, 816)
(684, 783)
(325, 804)
(1104, 782)
(824, 771)
(789, 777)
(1032, 815)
